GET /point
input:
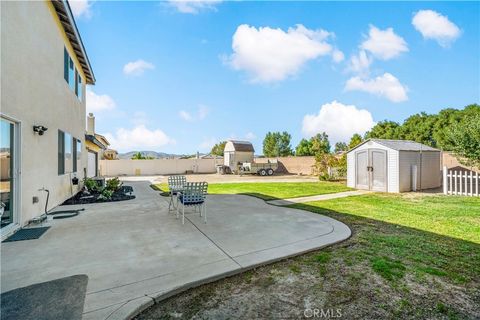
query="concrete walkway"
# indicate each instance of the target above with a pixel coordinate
(135, 252)
(286, 202)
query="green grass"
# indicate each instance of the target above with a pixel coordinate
(272, 190)
(396, 235)
(410, 256)
(457, 217)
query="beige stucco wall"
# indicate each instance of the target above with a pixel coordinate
(293, 165)
(111, 168)
(34, 92)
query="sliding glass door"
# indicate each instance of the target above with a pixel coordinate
(7, 168)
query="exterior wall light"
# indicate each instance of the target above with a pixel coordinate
(39, 129)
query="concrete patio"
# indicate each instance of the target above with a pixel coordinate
(135, 252)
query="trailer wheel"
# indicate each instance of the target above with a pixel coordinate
(262, 172)
(270, 172)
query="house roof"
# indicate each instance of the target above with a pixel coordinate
(94, 140)
(102, 139)
(65, 16)
(243, 146)
(399, 145)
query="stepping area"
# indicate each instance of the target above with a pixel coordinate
(136, 252)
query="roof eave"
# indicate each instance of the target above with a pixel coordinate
(65, 16)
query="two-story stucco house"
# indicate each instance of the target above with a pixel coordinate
(44, 70)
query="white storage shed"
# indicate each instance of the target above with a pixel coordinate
(393, 166)
(237, 152)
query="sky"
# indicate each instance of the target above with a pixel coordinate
(179, 76)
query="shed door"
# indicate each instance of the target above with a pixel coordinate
(361, 162)
(92, 164)
(378, 169)
(371, 170)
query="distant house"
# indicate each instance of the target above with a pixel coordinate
(110, 154)
(393, 166)
(44, 72)
(97, 148)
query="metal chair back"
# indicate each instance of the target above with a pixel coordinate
(194, 192)
(176, 182)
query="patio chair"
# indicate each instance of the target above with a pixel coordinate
(175, 184)
(194, 194)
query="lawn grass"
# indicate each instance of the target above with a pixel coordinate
(410, 256)
(272, 190)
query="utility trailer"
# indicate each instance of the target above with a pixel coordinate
(262, 169)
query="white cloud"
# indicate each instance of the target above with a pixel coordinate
(384, 44)
(185, 115)
(81, 8)
(137, 68)
(97, 102)
(202, 113)
(433, 25)
(385, 86)
(360, 63)
(339, 121)
(270, 55)
(337, 56)
(194, 6)
(207, 144)
(250, 136)
(138, 138)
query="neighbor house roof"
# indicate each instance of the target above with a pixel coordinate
(94, 140)
(243, 146)
(65, 15)
(399, 145)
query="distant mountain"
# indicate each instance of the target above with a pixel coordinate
(153, 154)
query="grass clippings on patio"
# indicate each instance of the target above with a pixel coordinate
(272, 190)
(409, 257)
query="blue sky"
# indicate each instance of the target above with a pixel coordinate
(179, 76)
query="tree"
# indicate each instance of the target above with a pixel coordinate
(355, 141)
(218, 148)
(277, 144)
(463, 139)
(141, 156)
(340, 146)
(320, 143)
(138, 156)
(384, 130)
(304, 148)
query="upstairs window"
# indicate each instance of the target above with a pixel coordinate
(71, 75)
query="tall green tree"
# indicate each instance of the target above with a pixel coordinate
(463, 139)
(218, 148)
(320, 143)
(304, 148)
(340, 146)
(384, 130)
(355, 141)
(277, 144)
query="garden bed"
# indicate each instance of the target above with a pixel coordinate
(92, 192)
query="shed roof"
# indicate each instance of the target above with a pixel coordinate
(243, 146)
(400, 145)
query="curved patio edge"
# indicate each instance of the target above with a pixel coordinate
(134, 307)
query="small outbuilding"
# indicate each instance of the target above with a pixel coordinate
(393, 166)
(237, 152)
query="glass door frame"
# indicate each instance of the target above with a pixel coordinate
(16, 177)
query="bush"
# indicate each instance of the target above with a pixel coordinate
(91, 185)
(106, 195)
(113, 184)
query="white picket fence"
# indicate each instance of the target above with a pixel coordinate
(465, 183)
